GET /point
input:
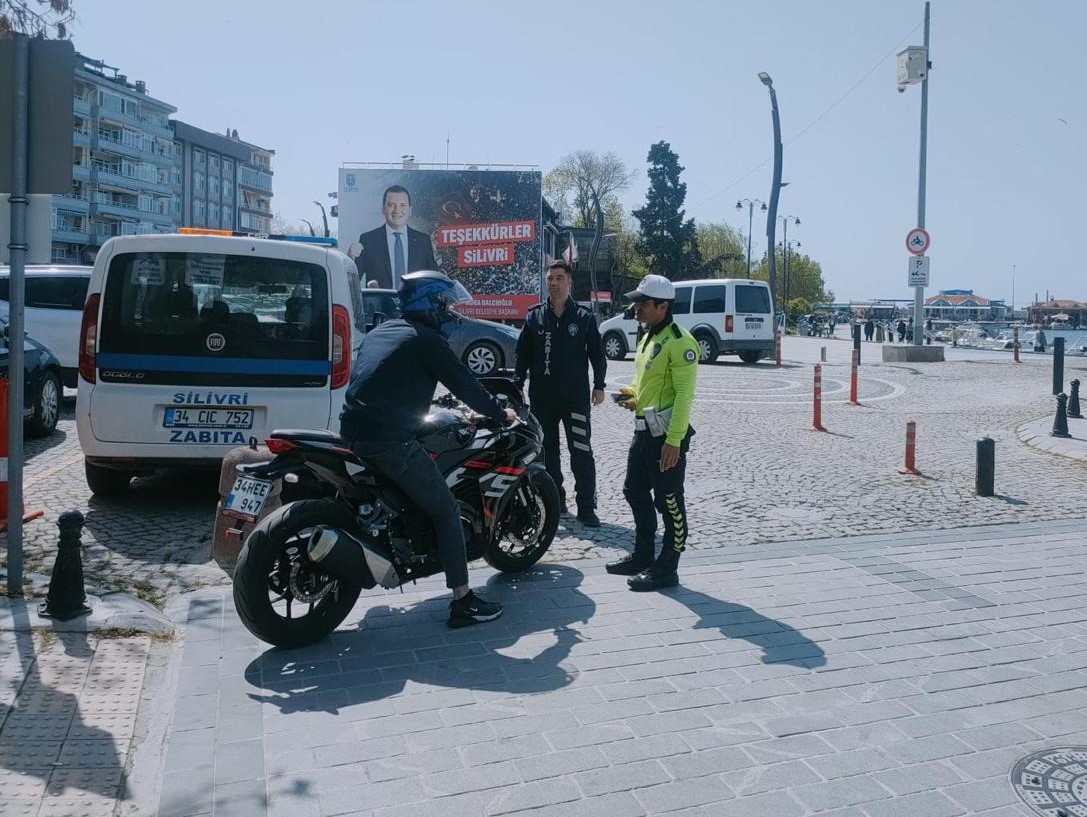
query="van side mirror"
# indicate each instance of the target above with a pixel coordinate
(628, 313)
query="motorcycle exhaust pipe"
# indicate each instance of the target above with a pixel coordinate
(346, 557)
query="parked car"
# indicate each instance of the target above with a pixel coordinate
(727, 316)
(483, 345)
(54, 310)
(41, 383)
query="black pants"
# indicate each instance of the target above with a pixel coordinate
(648, 490)
(409, 467)
(575, 421)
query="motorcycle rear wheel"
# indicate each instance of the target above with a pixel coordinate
(527, 527)
(274, 574)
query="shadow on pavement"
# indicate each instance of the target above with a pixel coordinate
(520, 653)
(43, 734)
(780, 643)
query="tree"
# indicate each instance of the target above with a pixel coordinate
(670, 241)
(805, 278)
(721, 247)
(36, 18)
(572, 181)
(798, 307)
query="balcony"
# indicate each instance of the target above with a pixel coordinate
(81, 106)
(113, 208)
(72, 236)
(71, 202)
(81, 138)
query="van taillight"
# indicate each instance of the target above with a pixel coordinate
(728, 323)
(88, 338)
(341, 347)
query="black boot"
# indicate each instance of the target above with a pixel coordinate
(635, 563)
(660, 575)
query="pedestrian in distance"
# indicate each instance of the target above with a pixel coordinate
(869, 329)
(665, 372)
(559, 342)
(392, 383)
(1039, 340)
(901, 331)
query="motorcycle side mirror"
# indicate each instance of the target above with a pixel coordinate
(379, 318)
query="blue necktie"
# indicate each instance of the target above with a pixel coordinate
(399, 266)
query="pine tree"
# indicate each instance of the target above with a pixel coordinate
(670, 241)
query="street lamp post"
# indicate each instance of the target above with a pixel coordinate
(750, 215)
(785, 260)
(775, 188)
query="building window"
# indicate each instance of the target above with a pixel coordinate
(198, 182)
(228, 167)
(228, 189)
(228, 217)
(198, 208)
(213, 214)
(214, 183)
(198, 157)
(213, 164)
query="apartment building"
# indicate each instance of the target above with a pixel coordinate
(125, 176)
(226, 182)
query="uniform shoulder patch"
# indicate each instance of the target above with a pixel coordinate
(690, 355)
(676, 331)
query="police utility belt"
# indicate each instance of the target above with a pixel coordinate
(655, 422)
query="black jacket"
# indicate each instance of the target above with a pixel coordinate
(393, 380)
(556, 352)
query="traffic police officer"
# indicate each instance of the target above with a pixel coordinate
(558, 341)
(665, 370)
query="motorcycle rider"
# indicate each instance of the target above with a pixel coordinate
(392, 383)
(558, 342)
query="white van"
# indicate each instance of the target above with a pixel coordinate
(54, 305)
(727, 316)
(192, 344)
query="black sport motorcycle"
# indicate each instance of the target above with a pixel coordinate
(302, 568)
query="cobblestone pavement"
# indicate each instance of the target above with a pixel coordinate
(880, 676)
(756, 472)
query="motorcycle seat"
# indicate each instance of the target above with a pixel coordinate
(308, 434)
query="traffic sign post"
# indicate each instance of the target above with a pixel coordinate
(918, 241)
(918, 271)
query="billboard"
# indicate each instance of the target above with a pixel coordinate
(481, 227)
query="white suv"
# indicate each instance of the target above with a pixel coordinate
(730, 316)
(54, 310)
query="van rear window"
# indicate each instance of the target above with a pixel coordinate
(752, 300)
(193, 319)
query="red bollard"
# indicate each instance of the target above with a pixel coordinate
(911, 446)
(853, 381)
(817, 400)
(777, 346)
(1015, 344)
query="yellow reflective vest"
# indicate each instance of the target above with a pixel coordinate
(665, 370)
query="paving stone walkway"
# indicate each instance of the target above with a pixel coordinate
(875, 676)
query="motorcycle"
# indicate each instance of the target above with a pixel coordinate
(301, 569)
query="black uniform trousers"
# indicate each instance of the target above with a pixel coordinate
(575, 421)
(648, 490)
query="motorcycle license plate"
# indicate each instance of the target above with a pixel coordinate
(247, 497)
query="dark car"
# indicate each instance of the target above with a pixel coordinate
(483, 345)
(41, 384)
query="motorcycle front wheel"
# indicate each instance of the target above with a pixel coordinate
(527, 525)
(281, 597)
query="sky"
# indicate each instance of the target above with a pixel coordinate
(333, 81)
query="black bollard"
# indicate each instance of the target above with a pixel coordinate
(67, 598)
(1060, 422)
(857, 341)
(985, 472)
(1073, 402)
(1058, 365)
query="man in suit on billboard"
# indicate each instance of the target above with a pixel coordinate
(394, 249)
